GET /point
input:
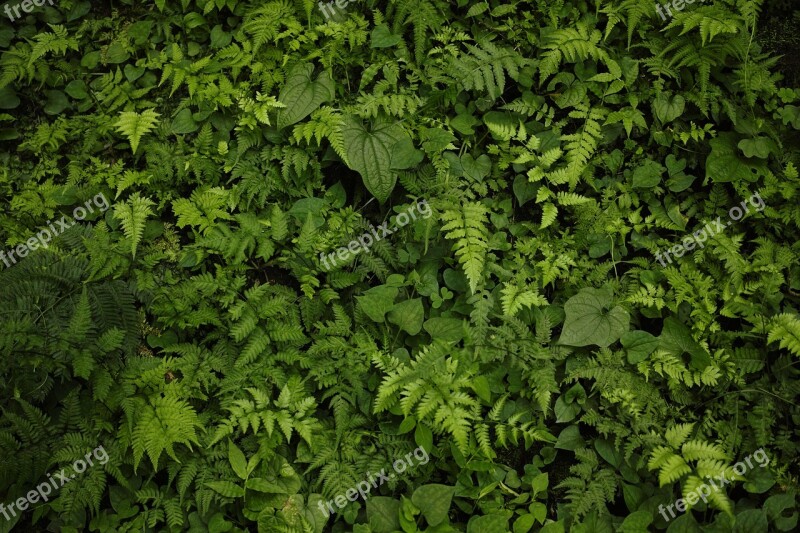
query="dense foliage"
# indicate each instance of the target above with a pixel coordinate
(523, 334)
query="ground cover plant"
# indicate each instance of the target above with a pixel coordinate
(399, 266)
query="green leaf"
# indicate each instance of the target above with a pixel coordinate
(218, 524)
(759, 481)
(587, 321)
(302, 95)
(404, 155)
(481, 387)
(476, 169)
(556, 527)
(267, 486)
(91, 60)
(226, 488)
(57, 102)
(369, 154)
(540, 483)
(377, 301)
(565, 411)
(308, 206)
(77, 89)
(434, 502)
(140, 31)
(632, 495)
(491, 523)
(406, 425)
(668, 108)
(446, 329)
(636, 522)
(135, 125)
(409, 315)
(569, 438)
(648, 174)
(382, 37)
(219, 37)
(524, 190)
(751, 521)
(117, 53)
(755, 147)
(434, 140)
(780, 508)
(677, 339)
(609, 452)
(638, 345)
(133, 73)
(184, 123)
(423, 436)
(382, 514)
(237, 459)
(463, 123)
(524, 523)
(6, 35)
(723, 164)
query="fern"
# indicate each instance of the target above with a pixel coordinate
(133, 216)
(785, 328)
(467, 225)
(135, 125)
(162, 423)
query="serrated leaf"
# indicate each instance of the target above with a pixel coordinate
(226, 488)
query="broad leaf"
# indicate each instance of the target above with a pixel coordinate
(237, 460)
(638, 345)
(434, 502)
(377, 301)
(668, 108)
(589, 322)
(677, 339)
(408, 315)
(302, 95)
(369, 152)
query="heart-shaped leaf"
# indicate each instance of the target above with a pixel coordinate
(723, 164)
(755, 147)
(377, 301)
(638, 345)
(587, 321)
(408, 315)
(302, 95)
(668, 108)
(677, 339)
(648, 174)
(8, 98)
(434, 502)
(382, 37)
(404, 155)
(476, 169)
(369, 154)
